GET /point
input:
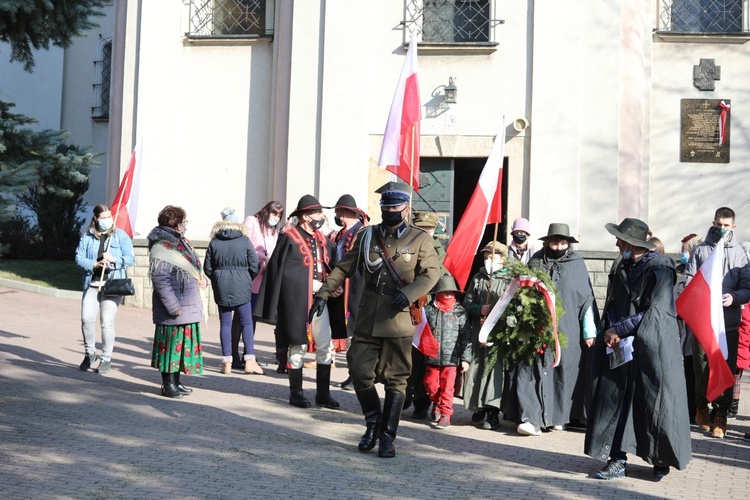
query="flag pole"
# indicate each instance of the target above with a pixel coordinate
(114, 225)
(411, 166)
(489, 286)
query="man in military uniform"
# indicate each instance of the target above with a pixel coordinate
(381, 344)
(428, 222)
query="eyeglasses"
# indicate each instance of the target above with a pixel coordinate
(184, 223)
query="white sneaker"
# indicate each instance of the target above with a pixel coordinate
(559, 427)
(528, 429)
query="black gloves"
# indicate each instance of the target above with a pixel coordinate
(316, 309)
(399, 301)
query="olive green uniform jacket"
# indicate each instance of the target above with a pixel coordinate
(414, 256)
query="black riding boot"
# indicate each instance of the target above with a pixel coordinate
(180, 387)
(168, 388)
(421, 406)
(394, 402)
(282, 356)
(323, 386)
(370, 403)
(296, 396)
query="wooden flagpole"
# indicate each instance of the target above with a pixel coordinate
(489, 285)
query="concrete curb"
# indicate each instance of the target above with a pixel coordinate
(42, 290)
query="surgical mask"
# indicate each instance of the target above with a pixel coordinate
(272, 222)
(627, 255)
(491, 265)
(317, 223)
(105, 224)
(337, 220)
(684, 257)
(519, 238)
(392, 219)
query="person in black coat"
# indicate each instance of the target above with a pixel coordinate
(231, 264)
(300, 263)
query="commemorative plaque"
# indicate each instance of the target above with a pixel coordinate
(699, 131)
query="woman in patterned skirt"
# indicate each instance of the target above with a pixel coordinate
(178, 307)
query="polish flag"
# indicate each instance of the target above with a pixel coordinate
(125, 206)
(424, 340)
(699, 305)
(484, 208)
(399, 153)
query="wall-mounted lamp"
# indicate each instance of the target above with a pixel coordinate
(451, 92)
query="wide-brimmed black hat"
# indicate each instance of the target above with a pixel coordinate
(561, 230)
(347, 202)
(306, 203)
(631, 231)
(446, 283)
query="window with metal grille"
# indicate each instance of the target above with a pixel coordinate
(703, 16)
(103, 69)
(231, 18)
(451, 21)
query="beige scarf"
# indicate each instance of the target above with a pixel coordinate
(160, 256)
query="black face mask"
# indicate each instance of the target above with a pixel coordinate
(317, 223)
(519, 238)
(392, 219)
(555, 254)
(337, 220)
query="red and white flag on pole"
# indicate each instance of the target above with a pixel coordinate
(424, 340)
(723, 122)
(125, 206)
(700, 306)
(400, 151)
(484, 207)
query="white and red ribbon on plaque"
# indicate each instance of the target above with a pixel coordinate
(723, 122)
(494, 316)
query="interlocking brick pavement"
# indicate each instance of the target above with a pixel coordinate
(69, 434)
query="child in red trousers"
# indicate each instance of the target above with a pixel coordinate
(448, 321)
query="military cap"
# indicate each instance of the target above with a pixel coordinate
(394, 193)
(426, 219)
(497, 246)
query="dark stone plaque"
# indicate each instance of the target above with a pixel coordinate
(699, 131)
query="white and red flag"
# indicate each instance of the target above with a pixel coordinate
(723, 122)
(485, 207)
(400, 151)
(424, 340)
(700, 306)
(125, 206)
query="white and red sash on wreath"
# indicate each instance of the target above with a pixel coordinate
(494, 316)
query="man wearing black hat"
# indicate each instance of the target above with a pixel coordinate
(638, 406)
(343, 303)
(300, 263)
(400, 266)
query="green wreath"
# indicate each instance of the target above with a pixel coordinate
(525, 328)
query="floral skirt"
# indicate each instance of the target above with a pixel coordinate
(178, 348)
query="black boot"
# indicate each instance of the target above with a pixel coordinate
(180, 387)
(421, 405)
(168, 388)
(323, 386)
(733, 409)
(296, 396)
(370, 403)
(394, 402)
(348, 384)
(282, 356)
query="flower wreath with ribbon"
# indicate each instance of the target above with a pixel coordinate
(523, 323)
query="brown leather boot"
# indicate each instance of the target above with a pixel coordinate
(720, 426)
(702, 419)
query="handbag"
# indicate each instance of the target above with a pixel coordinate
(118, 286)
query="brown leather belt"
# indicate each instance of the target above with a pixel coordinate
(382, 288)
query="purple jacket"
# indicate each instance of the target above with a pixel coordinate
(174, 289)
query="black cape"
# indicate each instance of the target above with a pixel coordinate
(347, 303)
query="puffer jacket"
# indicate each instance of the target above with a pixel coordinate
(453, 333)
(174, 289)
(231, 264)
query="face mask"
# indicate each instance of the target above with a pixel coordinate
(556, 254)
(684, 257)
(317, 223)
(519, 238)
(491, 265)
(337, 220)
(717, 232)
(392, 219)
(272, 222)
(105, 224)
(627, 255)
